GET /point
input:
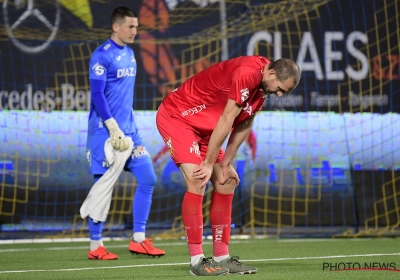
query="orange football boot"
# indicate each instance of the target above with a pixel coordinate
(145, 248)
(101, 253)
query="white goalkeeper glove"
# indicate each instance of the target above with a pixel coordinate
(118, 139)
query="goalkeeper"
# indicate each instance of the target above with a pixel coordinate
(112, 74)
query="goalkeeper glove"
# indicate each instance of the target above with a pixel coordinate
(118, 139)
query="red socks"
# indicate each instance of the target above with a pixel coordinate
(192, 215)
(221, 218)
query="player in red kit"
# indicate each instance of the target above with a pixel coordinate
(194, 120)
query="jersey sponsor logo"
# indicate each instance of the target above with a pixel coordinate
(106, 47)
(248, 109)
(105, 163)
(194, 110)
(244, 94)
(195, 149)
(139, 152)
(98, 69)
(126, 72)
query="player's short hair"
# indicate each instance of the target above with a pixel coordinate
(119, 14)
(285, 69)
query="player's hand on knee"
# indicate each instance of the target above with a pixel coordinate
(203, 172)
(118, 140)
(229, 173)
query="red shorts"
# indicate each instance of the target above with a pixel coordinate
(182, 141)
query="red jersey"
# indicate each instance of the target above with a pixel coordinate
(200, 100)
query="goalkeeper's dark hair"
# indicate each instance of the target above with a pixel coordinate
(285, 69)
(119, 14)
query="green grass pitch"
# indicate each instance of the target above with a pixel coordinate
(275, 259)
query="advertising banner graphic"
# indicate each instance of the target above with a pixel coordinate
(348, 65)
(285, 149)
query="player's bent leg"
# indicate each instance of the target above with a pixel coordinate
(217, 178)
(220, 215)
(192, 215)
(193, 185)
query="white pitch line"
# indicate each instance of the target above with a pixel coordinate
(331, 239)
(77, 248)
(305, 240)
(186, 263)
(108, 246)
(324, 257)
(87, 239)
(233, 237)
(91, 268)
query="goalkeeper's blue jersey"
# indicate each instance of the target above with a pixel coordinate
(117, 66)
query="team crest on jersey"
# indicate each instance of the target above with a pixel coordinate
(98, 69)
(244, 94)
(195, 148)
(168, 143)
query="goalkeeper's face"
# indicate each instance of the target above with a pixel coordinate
(125, 30)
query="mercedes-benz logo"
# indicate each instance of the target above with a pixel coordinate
(14, 20)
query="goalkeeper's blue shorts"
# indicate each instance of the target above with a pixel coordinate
(97, 159)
